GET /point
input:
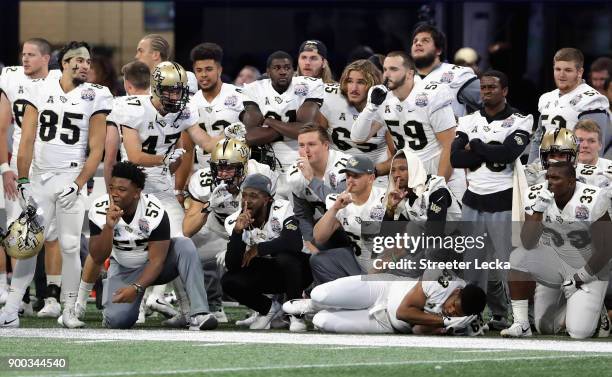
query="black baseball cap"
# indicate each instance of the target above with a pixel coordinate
(359, 165)
(314, 45)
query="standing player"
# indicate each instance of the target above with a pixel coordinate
(429, 51)
(35, 58)
(219, 104)
(62, 120)
(276, 108)
(487, 145)
(417, 115)
(216, 194)
(572, 101)
(341, 106)
(562, 261)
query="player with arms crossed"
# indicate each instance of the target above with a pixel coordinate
(63, 118)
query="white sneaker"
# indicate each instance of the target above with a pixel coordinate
(604, 324)
(79, 310)
(52, 309)
(203, 322)
(220, 316)
(262, 322)
(3, 296)
(70, 320)
(178, 321)
(297, 324)
(25, 310)
(300, 307)
(8, 321)
(517, 330)
(247, 321)
(161, 306)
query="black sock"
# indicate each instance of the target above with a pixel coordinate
(53, 291)
(26, 296)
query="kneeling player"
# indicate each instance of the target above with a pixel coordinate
(133, 229)
(438, 303)
(559, 262)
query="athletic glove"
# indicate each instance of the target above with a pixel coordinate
(236, 131)
(219, 197)
(457, 323)
(173, 156)
(69, 196)
(544, 199)
(378, 95)
(575, 282)
(24, 193)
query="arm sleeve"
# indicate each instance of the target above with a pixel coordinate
(469, 94)
(534, 152)
(439, 201)
(461, 158)
(162, 232)
(235, 251)
(304, 213)
(94, 230)
(507, 152)
(289, 241)
(362, 125)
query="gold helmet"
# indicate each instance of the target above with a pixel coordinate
(170, 78)
(559, 141)
(25, 236)
(230, 153)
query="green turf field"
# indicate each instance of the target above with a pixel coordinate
(233, 352)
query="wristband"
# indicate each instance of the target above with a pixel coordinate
(139, 288)
(4, 167)
(179, 192)
(23, 180)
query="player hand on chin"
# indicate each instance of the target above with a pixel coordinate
(304, 165)
(243, 221)
(113, 215)
(125, 295)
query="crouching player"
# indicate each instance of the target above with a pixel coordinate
(133, 229)
(438, 303)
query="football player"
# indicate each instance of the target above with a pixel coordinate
(62, 120)
(358, 211)
(219, 104)
(564, 260)
(438, 303)
(276, 108)
(312, 61)
(571, 101)
(591, 169)
(35, 59)
(556, 145)
(314, 175)
(487, 145)
(429, 51)
(417, 115)
(215, 194)
(264, 253)
(343, 102)
(134, 229)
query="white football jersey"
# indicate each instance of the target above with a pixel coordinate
(454, 77)
(201, 185)
(341, 115)
(284, 108)
(279, 211)
(214, 116)
(158, 134)
(492, 177)
(567, 230)
(562, 111)
(62, 134)
(594, 174)
(352, 218)
(418, 210)
(12, 83)
(438, 291)
(332, 177)
(130, 240)
(414, 122)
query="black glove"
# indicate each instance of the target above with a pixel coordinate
(378, 95)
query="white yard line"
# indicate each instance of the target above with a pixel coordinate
(438, 364)
(314, 338)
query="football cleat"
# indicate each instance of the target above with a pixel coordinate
(52, 309)
(161, 306)
(70, 320)
(248, 320)
(262, 322)
(300, 307)
(26, 310)
(8, 320)
(498, 323)
(79, 310)
(298, 324)
(517, 330)
(203, 322)
(220, 316)
(179, 321)
(603, 330)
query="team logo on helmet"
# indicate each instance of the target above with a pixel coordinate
(88, 94)
(421, 100)
(301, 90)
(447, 77)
